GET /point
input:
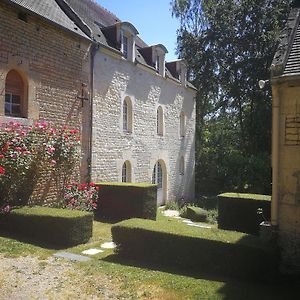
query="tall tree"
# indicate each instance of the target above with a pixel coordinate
(229, 46)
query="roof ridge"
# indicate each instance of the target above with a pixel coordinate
(102, 7)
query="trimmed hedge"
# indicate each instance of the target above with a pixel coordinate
(207, 250)
(196, 214)
(51, 225)
(239, 211)
(127, 200)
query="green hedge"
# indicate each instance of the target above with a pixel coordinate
(196, 214)
(239, 211)
(50, 225)
(206, 250)
(127, 200)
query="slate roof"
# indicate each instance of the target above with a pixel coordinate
(286, 61)
(49, 10)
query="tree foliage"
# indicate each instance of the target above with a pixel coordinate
(229, 46)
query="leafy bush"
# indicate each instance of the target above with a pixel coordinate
(127, 200)
(27, 152)
(50, 225)
(196, 214)
(81, 196)
(206, 250)
(173, 205)
(239, 211)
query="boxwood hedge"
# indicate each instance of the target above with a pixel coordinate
(204, 250)
(50, 225)
(127, 200)
(239, 211)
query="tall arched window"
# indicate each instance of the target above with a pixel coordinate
(181, 166)
(160, 121)
(126, 171)
(127, 115)
(15, 95)
(182, 124)
(157, 176)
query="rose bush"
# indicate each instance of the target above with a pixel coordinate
(81, 196)
(28, 152)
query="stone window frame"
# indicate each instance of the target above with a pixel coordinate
(127, 115)
(126, 175)
(182, 124)
(18, 87)
(160, 121)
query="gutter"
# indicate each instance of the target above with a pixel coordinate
(94, 49)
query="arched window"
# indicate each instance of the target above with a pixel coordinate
(157, 176)
(182, 124)
(127, 115)
(15, 95)
(160, 121)
(181, 166)
(126, 171)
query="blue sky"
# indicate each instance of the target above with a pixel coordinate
(152, 18)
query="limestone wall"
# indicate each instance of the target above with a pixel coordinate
(115, 78)
(289, 171)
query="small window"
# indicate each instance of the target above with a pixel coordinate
(15, 96)
(157, 62)
(124, 44)
(160, 121)
(182, 124)
(126, 172)
(127, 115)
(181, 166)
(23, 17)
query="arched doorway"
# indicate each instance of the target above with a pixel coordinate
(159, 178)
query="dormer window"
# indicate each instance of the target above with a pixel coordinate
(124, 44)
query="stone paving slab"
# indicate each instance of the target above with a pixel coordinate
(108, 245)
(71, 256)
(92, 251)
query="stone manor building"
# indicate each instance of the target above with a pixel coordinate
(72, 61)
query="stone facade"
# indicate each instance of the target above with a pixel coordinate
(115, 79)
(52, 63)
(288, 94)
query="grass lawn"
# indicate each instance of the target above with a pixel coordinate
(146, 281)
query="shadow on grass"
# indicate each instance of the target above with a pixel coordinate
(233, 288)
(107, 220)
(118, 259)
(32, 241)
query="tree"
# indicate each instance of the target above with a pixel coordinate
(229, 46)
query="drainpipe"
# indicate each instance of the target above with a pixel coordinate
(275, 154)
(94, 49)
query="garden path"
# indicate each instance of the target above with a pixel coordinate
(53, 278)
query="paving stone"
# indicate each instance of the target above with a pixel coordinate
(92, 251)
(199, 225)
(71, 256)
(108, 245)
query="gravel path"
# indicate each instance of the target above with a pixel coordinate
(30, 278)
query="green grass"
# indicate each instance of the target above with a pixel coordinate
(146, 281)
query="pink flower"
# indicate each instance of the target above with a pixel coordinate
(53, 162)
(1, 156)
(2, 170)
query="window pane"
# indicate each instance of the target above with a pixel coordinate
(16, 99)
(16, 110)
(8, 109)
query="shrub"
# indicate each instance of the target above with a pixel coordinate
(196, 214)
(26, 152)
(81, 196)
(206, 250)
(50, 225)
(239, 211)
(127, 200)
(173, 205)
